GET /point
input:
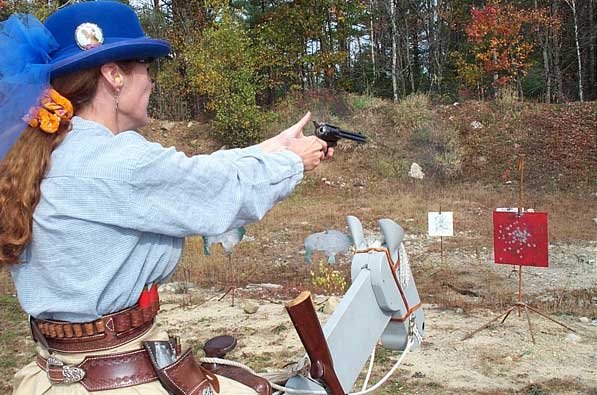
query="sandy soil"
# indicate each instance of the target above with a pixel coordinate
(499, 359)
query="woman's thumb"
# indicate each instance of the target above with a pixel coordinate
(301, 124)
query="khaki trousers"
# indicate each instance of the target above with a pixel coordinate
(31, 380)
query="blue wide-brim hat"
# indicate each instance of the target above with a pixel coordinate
(93, 33)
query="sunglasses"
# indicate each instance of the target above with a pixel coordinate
(153, 66)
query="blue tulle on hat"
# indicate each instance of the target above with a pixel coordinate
(25, 45)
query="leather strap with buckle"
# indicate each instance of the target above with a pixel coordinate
(103, 372)
(59, 373)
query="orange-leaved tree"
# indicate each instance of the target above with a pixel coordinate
(502, 39)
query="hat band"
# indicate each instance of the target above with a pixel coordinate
(129, 49)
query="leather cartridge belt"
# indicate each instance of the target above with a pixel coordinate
(107, 332)
(102, 372)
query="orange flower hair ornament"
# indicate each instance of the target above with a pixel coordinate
(54, 108)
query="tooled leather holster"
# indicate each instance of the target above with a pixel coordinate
(180, 375)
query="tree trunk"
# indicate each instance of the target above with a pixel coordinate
(546, 68)
(372, 37)
(592, 55)
(330, 68)
(408, 56)
(557, 68)
(435, 64)
(343, 41)
(572, 5)
(416, 57)
(496, 77)
(402, 60)
(394, 50)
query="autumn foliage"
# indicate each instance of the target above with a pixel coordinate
(232, 61)
(503, 38)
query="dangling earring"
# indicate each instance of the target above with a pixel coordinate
(116, 102)
(118, 80)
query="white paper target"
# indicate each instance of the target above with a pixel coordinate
(440, 224)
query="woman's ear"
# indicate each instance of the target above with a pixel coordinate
(112, 75)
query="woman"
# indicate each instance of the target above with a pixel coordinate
(92, 214)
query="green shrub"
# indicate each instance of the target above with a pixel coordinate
(508, 103)
(223, 67)
(330, 280)
(173, 97)
(412, 112)
(40, 10)
(421, 137)
(364, 102)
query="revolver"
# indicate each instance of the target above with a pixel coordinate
(331, 134)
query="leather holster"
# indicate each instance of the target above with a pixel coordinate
(180, 375)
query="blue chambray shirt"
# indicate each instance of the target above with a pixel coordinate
(114, 211)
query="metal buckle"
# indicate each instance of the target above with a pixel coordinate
(70, 374)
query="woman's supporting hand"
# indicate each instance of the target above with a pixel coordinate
(310, 149)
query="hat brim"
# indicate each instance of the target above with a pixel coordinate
(136, 48)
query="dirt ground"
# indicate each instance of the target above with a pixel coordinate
(460, 286)
(499, 360)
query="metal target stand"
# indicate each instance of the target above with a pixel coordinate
(231, 289)
(519, 304)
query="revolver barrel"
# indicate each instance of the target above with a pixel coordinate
(352, 136)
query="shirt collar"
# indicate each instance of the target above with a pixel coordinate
(82, 124)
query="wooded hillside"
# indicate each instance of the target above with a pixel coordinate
(233, 60)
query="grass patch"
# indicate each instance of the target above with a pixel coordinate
(10, 306)
(279, 329)
(273, 250)
(8, 362)
(15, 342)
(363, 103)
(412, 112)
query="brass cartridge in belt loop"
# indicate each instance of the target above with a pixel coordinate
(89, 329)
(78, 330)
(52, 330)
(68, 330)
(60, 331)
(100, 326)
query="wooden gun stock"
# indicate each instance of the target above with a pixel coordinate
(303, 316)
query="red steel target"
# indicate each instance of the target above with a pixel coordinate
(520, 240)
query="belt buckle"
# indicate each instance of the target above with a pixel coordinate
(70, 374)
